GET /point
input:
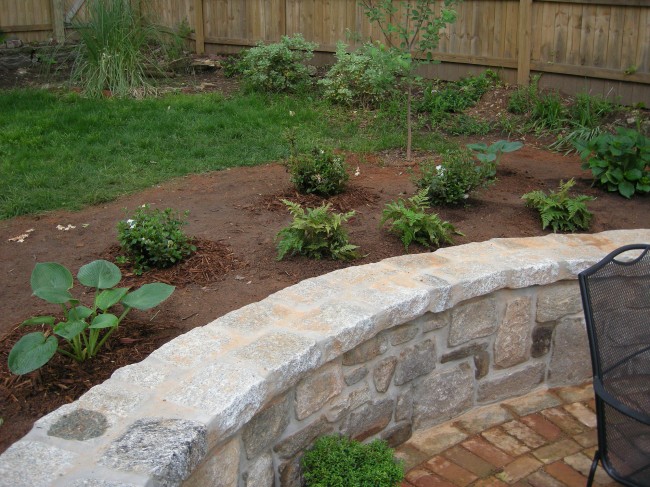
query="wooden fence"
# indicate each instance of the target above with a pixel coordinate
(598, 45)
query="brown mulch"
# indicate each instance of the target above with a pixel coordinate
(354, 197)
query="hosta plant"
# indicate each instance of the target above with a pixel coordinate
(492, 153)
(413, 224)
(316, 233)
(82, 330)
(339, 461)
(618, 162)
(558, 210)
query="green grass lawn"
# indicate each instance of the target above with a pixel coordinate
(65, 151)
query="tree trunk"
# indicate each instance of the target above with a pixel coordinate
(409, 130)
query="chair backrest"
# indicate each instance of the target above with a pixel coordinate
(616, 301)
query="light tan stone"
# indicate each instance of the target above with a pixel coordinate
(318, 388)
(514, 335)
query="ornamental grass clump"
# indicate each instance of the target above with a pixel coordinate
(336, 461)
(154, 239)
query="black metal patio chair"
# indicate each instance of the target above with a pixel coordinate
(616, 301)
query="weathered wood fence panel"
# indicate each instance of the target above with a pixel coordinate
(601, 45)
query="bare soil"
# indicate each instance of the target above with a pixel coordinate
(234, 217)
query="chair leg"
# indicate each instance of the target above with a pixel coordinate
(594, 466)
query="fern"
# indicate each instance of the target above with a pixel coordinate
(558, 210)
(316, 233)
(413, 224)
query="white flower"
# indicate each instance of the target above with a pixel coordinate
(292, 113)
(130, 223)
(357, 172)
(465, 196)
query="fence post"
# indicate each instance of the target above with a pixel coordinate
(58, 19)
(524, 42)
(198, 22)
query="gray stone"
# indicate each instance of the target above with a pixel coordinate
(416, 361)
(442, 396)
(112, 398)
(260, 473)
(433, 321)
(366, 351)
(404, 407)
(368, 420)
(343, 403)
(513, 338)
(570, 360)
(398, 434)
(220, 469)
(383, 373)
(81, 425)
(542, 337)
(356, 375)
(33, 464)
(558, 300)
(472, 320)
(302, 439)
(403, 333)
(95, 482)
(291, 473)
(479, 353)
(148, 374)
(166, 449)
(194, 347)
(315, 390)
(261, 432)
(511, 384)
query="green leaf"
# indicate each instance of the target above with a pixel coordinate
(70, 329)
(39, 320)
(105, 320)
(110, 297)
(50, 281)
(626, 189)
(633, 174)
(100, 274)
(148, 296)
(81, 312)
(31, 352)
(511, 146)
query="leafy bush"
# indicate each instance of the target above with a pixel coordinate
(316, 233)
(562, 213)
(618, 162)
(84, 329)
(115, 42)
(412, 223)
(548, 112)
(278, 67)
(457, 96)
(338, 461)
(319, 172)
(365, 77)
(455, 178)
(154, 239)
(522, 100)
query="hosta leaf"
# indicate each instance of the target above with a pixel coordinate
(100, 274)
(148, 296)
(626, 189)
(54, 296)
(70, 329)
(39, 320)
(110, 297)
(81, 312)
(105, 320)
(31, 352)
(50, 281)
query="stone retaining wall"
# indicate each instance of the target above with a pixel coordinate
(378, 350)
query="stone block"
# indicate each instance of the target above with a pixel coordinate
(261, 432)
(542, 338)
(511, 384)
(478, 352)
(260, 473)
(34, 464)
(92, 481)
(80, 425)
(147, 374)
(112, 398)
(219, 469)
(367, 351)
(402, 334)
(302, 439)
(570, 359)
(192, 348)
(340, 405)
(558, 300)
(291, 473)
(433, 321)
(383, 373)
(368, 420)
(443, 395)
(318, 388)
(398, 434)
(513, 337)
(166, 449)
(472, 320)
(355, 375)
(404, 407)
(416, 361)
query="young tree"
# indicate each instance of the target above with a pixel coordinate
(413, 27)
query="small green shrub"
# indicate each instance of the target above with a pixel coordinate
(365, 77)
(154, 239)
(319, 172)
(231, 66)
(456, 96)
(411, 222)
(561, 212)
(84, 329)
(279, 67)
(549, 113)
(618, 162)
(316, 233)
(453, 180)
(523, 100)
(339, 462)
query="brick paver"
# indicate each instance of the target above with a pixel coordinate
(542, 426)
(451, 471)
(565, 474)
(491, 454)
(469, 461)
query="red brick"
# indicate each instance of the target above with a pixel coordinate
(432, 481)
(520, 468)
(542, 426)
(566, 474)
(469, 461)
(487, 452)
(556, 451)
(489, 482)
(450, 471)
